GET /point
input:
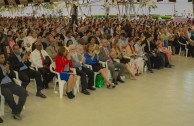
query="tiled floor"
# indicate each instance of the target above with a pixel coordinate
(165, 98)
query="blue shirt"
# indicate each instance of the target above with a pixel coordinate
(24, 67)
(6, 79)
(89, 59)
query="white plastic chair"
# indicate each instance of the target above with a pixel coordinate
(62, 82)
(57, 80)
(186, 49)
(105, 65)
(170, 48)
(95, 73)
(19, 82)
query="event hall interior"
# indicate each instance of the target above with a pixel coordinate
(96, 62)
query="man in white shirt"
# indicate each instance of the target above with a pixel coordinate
(42, 61)
(30, 40)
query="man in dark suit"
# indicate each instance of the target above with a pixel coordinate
(106, 55)
(21, 64)
(8, 88)
(149, 50)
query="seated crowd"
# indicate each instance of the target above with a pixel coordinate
(30, 45)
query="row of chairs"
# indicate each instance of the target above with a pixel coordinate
(62, 83)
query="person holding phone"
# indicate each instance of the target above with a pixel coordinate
(74, 14)
(63, 64)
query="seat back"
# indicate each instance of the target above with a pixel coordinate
(52, 69)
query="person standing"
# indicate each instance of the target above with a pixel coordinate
(74, 14)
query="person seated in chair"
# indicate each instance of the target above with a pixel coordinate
(52, 49)
(106, 55)
(149, 51)
(91, 56)
(78, 61)
(41, 60)
(9, 88)
(20, 63)
(63, 64)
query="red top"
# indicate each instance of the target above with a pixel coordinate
(61, 62)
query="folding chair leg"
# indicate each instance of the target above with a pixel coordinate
(78, 84)
(180, 51)
(61, 86)
(55, 84)
(186, 51)
(95, 79)
(35, 85)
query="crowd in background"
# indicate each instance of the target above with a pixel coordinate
(133, 45)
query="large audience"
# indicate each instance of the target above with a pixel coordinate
(29, 45)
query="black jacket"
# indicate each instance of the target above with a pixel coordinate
(183, 40)
(16, 64)
(146, 48)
